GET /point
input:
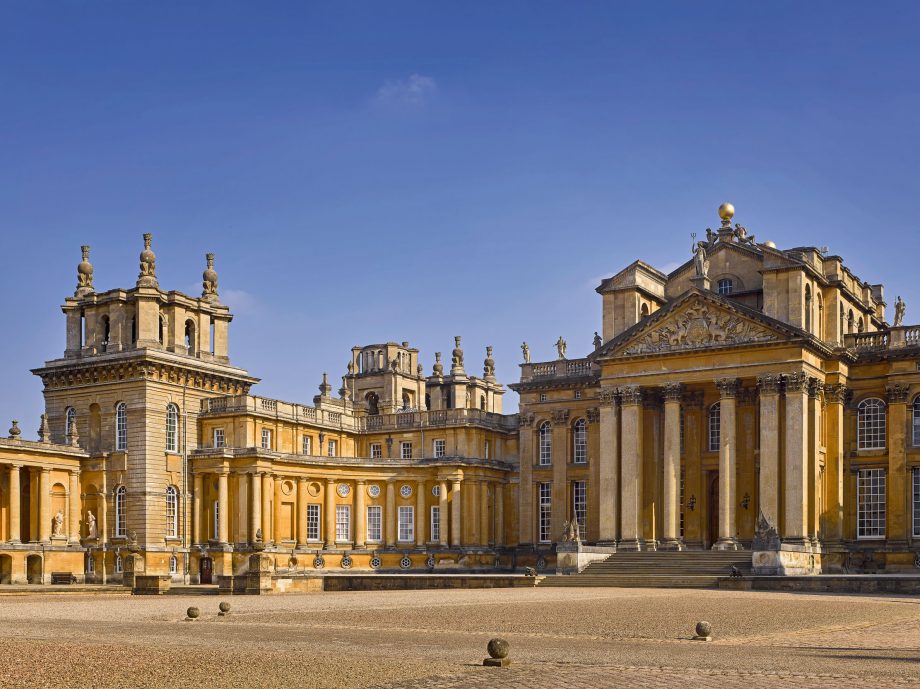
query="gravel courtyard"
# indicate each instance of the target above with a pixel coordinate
(416, 639)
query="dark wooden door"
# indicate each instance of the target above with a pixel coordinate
(205, 570)
(714, 509)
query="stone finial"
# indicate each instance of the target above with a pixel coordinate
(44, 430)
(343, 391)
(488, 366)
(84, 274)
(148, 274)
(438, 368)
(15, 431)
(420, 370)
(456, 359)
(209, 280)
(325, 389)
(72, 436)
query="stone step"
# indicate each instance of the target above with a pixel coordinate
(662, 581)
(193, 590)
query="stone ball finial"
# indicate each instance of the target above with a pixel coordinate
(438, 367)
(498, 648)
(192, 613)
(703, 631)
(209, 279)
(148, 274)
(224, 608)
(726, 211)
(84, 274)
(15, 431)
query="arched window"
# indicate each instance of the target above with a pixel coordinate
(643, 310)
(843, 320)
(808, 308)
(580, 442)
(106, 331)
(870, 424)
(162, 331)
(172, 512)
(915, 420)
(372, 404)
(172, 428)
(70, 417)
(173, 565)
(119, 566)
(121, 426)
(850, 320)
(715, 426)
(820, 316)
(546, 444)
(190, 346)
(725, 286)
(482, 402)
(860, 326)
(121, 528)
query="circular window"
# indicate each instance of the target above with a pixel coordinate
(429, 563)
(346, 562)
(405, 490)
(373, 490)
(406, 562)
(375, 562)
(343, 489)
(318, 562)
(436, 490)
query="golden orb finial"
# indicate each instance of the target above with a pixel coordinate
(726, 211)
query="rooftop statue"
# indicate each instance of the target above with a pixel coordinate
(560, 347)
(525, 349)
(899, 308)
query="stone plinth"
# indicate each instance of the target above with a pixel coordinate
(151, 584)
(571, 558)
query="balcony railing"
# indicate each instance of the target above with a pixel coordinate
(893, 338)
(563, 368)
(278, 409)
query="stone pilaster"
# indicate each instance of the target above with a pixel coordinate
(198, 483)
(897, 517)
(609, 470)
(526, 522)
(728, 459)
(223, 506)
(834, 475)
(268, 489)
(670, 508)
(360, 514)
(795, 499)
(444, 516)
(44, 505)
(769, 446)
(631, 497)
(73, 519)
(302, 484)
(456, 538)
(421, 518)
(390, 513)
(15, 504)
(329, 509)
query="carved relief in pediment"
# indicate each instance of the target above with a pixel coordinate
(698, 326)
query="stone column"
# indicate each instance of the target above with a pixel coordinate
(268, 489)
(728, 459)
(525, 497)
(390, 513)
(302, 512)
(255, 510)
(420, 516)
(609, 469)
(812, 413)
(484, 521)
(560, 458)
(795, 498)
(15, 504)
(197, 483)
(836, 396)
(74, 517)
(499, 514)
(443, 515)
(242, 533)
(631, 497)
(276, 510)
(360, 514)
(330, 513)
(693, 476)
(44, 505)
(456, 538)
(223, 506)
(769, 447)
(671, 538)
(897, 517)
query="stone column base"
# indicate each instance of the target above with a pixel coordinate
(672, 544)
(727, 544)
(635, 545)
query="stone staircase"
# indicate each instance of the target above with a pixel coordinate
(192, 590)
(658, 569)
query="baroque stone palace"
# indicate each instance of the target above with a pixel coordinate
(754, 398)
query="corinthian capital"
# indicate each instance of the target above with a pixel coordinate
(631, 394)
(769, 383)
(673, 392)
(608, 396)
(837, 394)
(728, 387)
(897, 392)
(796, 381)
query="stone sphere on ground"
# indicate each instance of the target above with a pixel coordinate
(498, 648)
(703, 629)
(192, 613)
(224, 606)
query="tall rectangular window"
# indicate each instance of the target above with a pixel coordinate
(121, 426)
(376, 451)
(374, 523)
(870, 502)
(307, 445)
(405, 450)
(440, 447)
(545, 503)
(486, 450)
(312, 522)
(580, 504)
(916, 502)
(715, 427)
(435, 524)
(580, 442)
(266, 439)
(342, 523)
(915, 419)
(333, 446)
(219, 440)
(216, 535)
(406, 521)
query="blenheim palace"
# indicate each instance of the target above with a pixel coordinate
(754, 399)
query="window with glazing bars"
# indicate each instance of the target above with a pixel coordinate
(870, 497)
(545, 504)
(374, 523)
(312, 522)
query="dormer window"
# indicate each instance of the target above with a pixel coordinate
(725, 286)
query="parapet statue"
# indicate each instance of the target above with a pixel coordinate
(525, 349)
(597, 341)
(899, 308)
(560, 347)
(700, 261)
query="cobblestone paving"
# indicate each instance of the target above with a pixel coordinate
(409, 640)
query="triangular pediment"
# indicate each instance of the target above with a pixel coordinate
(697, 320)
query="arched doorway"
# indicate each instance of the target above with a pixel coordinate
(6, 569)
(205, 570)
(34, 569)
(714, 508)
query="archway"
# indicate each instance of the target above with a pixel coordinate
(34, 569)
(205, 570)
(6, 569)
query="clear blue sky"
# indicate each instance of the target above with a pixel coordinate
(414, 171)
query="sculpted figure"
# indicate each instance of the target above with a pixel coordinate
(91, 525)
(899, 308)
(58, 527)
(560, 347)
(597, 340)
(700, 262)
(526, 350)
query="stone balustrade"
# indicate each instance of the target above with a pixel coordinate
(893, 338)
(563, 368)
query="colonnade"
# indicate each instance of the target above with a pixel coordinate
(40, 478)
(259, 504)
